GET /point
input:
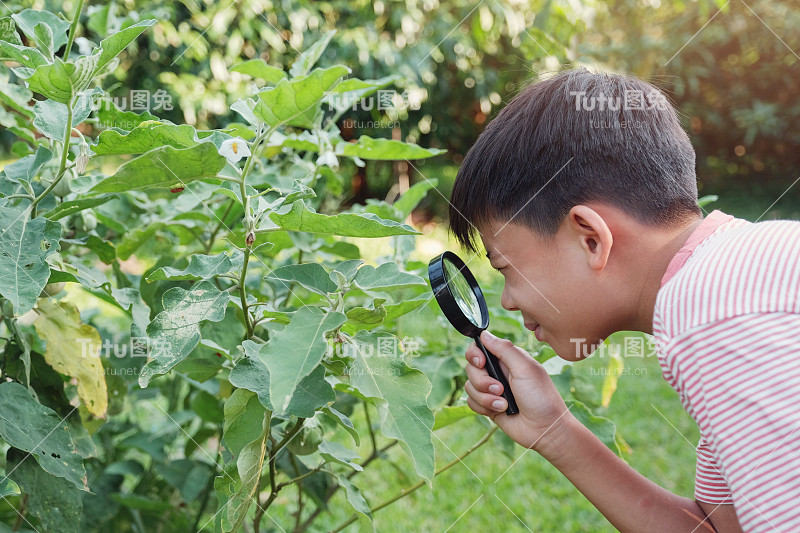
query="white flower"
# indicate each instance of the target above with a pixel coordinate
(234, 149)
(328, 158)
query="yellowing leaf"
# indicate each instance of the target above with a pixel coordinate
(73, 349)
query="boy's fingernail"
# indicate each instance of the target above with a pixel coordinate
(489, 334)
(494, 389)
(475, 361)
(499, 404)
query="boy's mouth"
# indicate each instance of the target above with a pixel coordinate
(536, 328)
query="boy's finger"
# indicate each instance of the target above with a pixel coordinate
(489, 402)
(481, 380)
(474, 356)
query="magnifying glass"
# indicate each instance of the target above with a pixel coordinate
(463, 304)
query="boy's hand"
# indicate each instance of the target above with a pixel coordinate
(542, 411)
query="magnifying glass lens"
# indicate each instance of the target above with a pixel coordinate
(462, 293)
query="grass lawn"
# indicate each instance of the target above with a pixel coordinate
(487, 493)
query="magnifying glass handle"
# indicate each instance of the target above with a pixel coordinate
(493, 367)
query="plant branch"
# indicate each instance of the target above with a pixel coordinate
(405, 492)
(73, 27)
(62, 166)
(243, 294)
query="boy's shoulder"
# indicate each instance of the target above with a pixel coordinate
(741, 268)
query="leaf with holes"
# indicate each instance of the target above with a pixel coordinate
(25, 245)
(30, 426)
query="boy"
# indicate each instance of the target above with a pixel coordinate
(583, 192)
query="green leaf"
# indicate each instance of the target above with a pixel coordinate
(342, 420)
(258, 68)
(243, 417)
(309, 58)
(165, 167)
(28, 19)
(175, 331)
(25, 245)
(135, 238)
(73, 349)
(406, 306)
(8, 488)
(61, 81)
(110, 116)
(604, 428)
(290, 100)
(44, 38)
(30, 57)
(200, 267)
(51, 117)
(413, 196)
(252, 374)
(450, 414)
(27, 168)
(352, 90)
(312, 276)
(365, 317)
(613, 371)
(236, 487)
(45, 434)
(147, 136)
(385, 149)
(15, 96)
(337, 453)
(707, 199)
(387, 276)
(294, 352)
(65, 209)
(300, 218)
(356, 499)
(440, 370)
(111, 46)
(8, 31)
(207, 407)
(401, 393)
(55, 502)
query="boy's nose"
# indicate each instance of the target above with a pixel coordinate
(506, 301)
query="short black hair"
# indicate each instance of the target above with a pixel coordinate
(578, 136)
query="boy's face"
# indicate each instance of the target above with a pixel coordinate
(562, 295)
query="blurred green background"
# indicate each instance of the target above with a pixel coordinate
(731, 68)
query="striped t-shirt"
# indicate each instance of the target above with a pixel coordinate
(727, 329)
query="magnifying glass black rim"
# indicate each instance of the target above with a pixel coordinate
(448, 303)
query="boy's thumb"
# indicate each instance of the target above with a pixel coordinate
(503, 349)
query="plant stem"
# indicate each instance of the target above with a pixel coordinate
(243, 294)
(369, 426)
(73, 30)
(405, 492)
(62, 166)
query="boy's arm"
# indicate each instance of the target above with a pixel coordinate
(627, 499)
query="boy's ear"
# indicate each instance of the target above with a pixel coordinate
(593, 233)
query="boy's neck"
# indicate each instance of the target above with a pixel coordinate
(659, 250)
